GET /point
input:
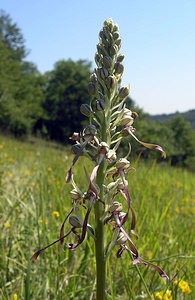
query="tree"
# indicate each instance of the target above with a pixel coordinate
(21, 91)
(12, 37)
(183, 141)
(66, 90)
(9, 75)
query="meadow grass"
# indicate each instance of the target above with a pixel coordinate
(35, 200)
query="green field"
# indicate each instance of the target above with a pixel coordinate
(34, 200)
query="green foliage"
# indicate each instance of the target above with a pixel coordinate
(176, 135)
(66, 90)
(21, 90)
(183, 141)
(33, 187)
(46, 104)
(11, 37)
(188, 115)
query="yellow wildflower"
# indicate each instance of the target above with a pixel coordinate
(55, 214)
(10, 160)
(149, 254)
(6, 225)
(10, 174)
(164, 295)
(15, 297)
(27, 173)
(183, 285)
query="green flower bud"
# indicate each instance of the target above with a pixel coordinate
(103, 37)
(92, 89)
(113, 50)
(119, 68)
(120, 58)
(111, 81)
(86, 110)
(103, 73)
(109, 24)
(74, 221)
(98, 59)
(118, 43)
(100, 105)
(107, 33)
(90, 130)
(115, 27)
(123, 92)
(101, 50)
(107, 62)
(116, 35)
(122, 163)
(121, 238)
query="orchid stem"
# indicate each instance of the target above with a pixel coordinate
(100, 235)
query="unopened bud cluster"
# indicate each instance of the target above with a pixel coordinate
(104, 86)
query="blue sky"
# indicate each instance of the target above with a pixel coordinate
(158, 40)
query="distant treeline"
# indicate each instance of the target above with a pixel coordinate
(188, 115)
(47, 105)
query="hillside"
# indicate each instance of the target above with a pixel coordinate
(189, 115)
(34, 201)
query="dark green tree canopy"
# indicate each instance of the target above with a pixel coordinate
(21, 91)
(66, 90)
(12, 37)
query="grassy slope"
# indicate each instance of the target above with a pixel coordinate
(32, 187)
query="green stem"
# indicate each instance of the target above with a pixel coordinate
(99, 226)
(100, 235)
